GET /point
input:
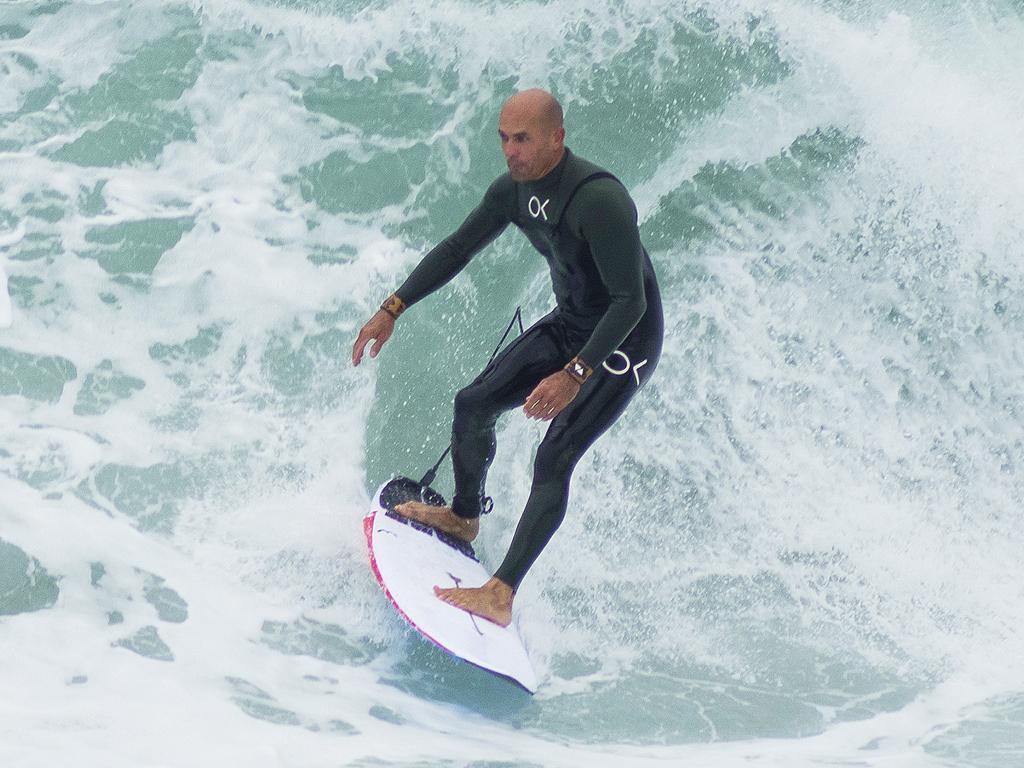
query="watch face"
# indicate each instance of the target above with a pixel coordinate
(579, 369)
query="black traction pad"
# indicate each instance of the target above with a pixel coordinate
(403, 489)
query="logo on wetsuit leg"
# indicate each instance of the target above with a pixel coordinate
(537, 208)
(627, 366)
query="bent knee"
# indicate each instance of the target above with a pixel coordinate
(474, 408)
(468, 400)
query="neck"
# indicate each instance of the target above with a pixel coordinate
(554, 163)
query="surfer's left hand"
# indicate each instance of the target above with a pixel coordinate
(550, 396)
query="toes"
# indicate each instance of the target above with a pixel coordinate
(450, 596)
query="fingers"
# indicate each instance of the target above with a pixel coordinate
(542, 412)
(357, 348)
(542, 404)
(550, 397)
(378, 329)
(377, 345)
(551, 411)
(381, 336)
(536, 403)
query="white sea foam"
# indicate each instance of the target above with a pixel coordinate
(833, 493)
(7, 239)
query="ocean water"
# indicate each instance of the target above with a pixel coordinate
(802, 546)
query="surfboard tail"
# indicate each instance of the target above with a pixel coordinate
(409, 558)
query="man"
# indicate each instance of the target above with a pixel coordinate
(578, 367)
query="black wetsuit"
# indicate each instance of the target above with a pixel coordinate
(584, 223)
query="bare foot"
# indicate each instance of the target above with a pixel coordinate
(492, 601)
(442, 518)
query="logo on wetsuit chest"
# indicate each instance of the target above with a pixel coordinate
(538, 209)
(626, 367)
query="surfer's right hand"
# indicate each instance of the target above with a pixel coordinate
(380, 327)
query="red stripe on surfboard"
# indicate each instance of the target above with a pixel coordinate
(368, 529)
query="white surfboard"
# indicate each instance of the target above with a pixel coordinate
(409, 558)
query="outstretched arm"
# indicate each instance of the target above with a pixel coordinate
(439, 266)
(452, 254)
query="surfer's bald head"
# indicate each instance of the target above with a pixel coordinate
(532, 133)
(539, 105)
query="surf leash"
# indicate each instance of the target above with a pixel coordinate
(517, 317)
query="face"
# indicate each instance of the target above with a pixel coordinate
(531, 147)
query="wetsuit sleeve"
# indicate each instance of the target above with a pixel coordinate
(603, 214)
(452, 254)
